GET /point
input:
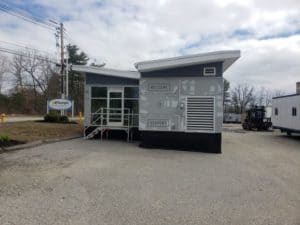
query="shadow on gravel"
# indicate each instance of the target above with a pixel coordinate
(293, 137)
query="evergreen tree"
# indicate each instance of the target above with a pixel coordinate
(76, 80)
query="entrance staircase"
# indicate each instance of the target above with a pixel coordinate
(99, 123)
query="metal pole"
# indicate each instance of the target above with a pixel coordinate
(72, 109)
(47, 106)
(62, 58)
(67, 76)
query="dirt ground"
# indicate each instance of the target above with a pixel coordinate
(255, 181)
(33, 131)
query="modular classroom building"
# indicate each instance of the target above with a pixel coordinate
(172, 103)
(286, 112)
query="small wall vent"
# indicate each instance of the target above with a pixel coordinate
(209, 71)
(200, 114)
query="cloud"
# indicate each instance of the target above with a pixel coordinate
(122, 32)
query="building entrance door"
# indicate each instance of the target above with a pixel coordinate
(115, 107)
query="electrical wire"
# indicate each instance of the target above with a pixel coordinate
(26, 47)
(19, 53)
(24, 13)
(11, 12)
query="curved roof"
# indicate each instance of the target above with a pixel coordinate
(227, 57)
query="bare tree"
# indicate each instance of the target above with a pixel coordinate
(3, 69)
(32, 73)
(17, 71)
(278, 93)
(242, 97)
(264, 97)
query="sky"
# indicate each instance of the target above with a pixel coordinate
(122, 32)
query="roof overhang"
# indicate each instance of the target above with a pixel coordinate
(227, 57)
(106, 71)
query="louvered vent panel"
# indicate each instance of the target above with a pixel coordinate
(200, 114)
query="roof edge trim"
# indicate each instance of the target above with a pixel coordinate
(106, 71)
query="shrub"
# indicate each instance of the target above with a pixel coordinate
(64, 119)
(4, 138)
(51, 117)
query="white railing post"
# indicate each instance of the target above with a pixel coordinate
(101, 121)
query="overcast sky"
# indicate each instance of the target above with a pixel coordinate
(122, 32)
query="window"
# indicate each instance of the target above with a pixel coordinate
(209, 71)
(97, 104)
(99, 92)
(276, 111)
(131, 106)
(294, 111)
(131, 92)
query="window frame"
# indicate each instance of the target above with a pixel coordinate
(136, 115)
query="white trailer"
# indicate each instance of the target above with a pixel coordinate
(286, 113)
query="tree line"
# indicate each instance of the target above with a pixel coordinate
(243, 96)
(29, 79)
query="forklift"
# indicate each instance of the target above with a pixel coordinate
(256, 119)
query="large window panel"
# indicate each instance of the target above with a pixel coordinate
(133, 105)
(99, 92)
(131, 92)
(115, 95)
(96, 119)
(97, 104)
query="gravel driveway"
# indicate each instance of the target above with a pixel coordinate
(255, 181)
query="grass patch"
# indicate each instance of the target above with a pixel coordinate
(5, 141)
(33, 131)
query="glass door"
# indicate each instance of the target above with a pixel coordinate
(115, 107)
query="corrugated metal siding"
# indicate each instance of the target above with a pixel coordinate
(200, 113)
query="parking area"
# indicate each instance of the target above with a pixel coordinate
(255, 181)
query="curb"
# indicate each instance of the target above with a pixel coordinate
(36, 143)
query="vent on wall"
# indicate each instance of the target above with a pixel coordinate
(200, 114)
(209, 71)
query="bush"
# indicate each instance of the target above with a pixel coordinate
(55, 118)
(64, 119)
(4, 138)
(51, 117)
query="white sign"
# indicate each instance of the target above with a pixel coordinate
(158, 123)
(158, 87)
(60, 104)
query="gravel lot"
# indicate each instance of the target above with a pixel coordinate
(255, 181)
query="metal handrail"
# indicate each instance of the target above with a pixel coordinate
(126, 116)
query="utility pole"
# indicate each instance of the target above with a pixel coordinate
(62, 58)
(67, 74)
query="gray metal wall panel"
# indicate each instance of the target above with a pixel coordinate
(87, 105)
(109, 80)
(164, 105)
(191, 71)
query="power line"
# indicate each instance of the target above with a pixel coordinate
(24, 13)
(26, 47)
(11, 12)
(19, 53)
